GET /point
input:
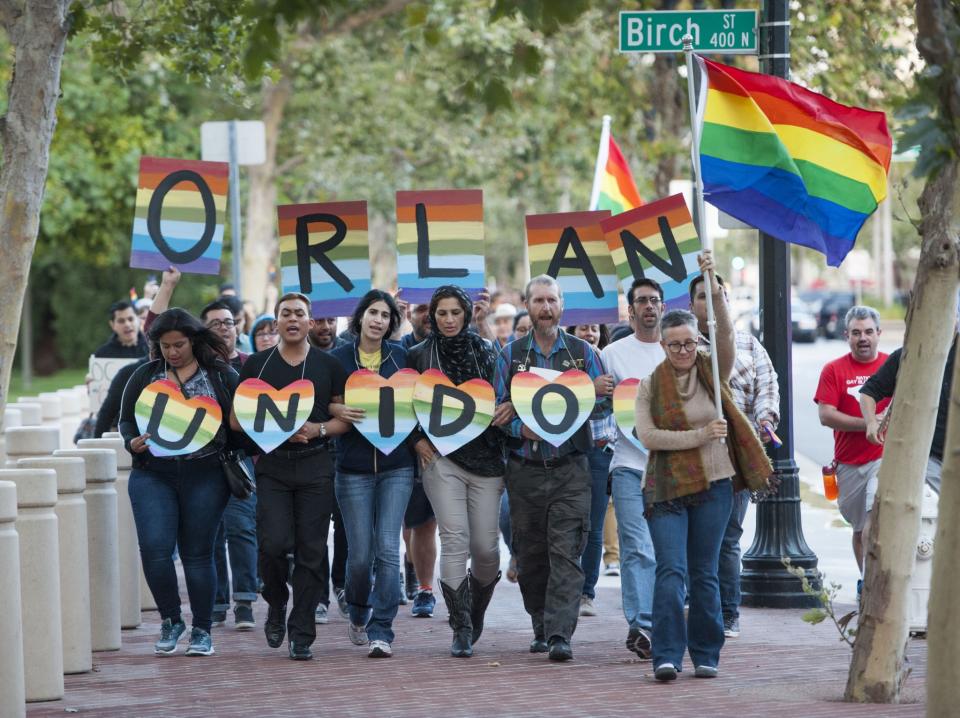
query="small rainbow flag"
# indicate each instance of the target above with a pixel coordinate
(453, 219)
(789, 161)
(335, 283)
(614, 188)
(179, 216)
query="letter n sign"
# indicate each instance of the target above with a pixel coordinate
(179, 215)
(324, 253)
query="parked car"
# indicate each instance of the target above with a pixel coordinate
(832, 313)
(803, 322)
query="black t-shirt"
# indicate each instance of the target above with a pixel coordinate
(326, 373)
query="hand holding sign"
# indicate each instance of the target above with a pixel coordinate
(272, 416)
(175, 425)
(387, 403)
(452, 415)
(553, 410)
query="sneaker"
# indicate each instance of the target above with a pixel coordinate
(380, 649)
(665, 672)
(170, 633)
(243, 616)
(731, 627)
(219, 617)
(586, 606)
(201, 644)
(423, 604)
(611, 569)
(357, 634)
(638, 641)
(705, 672)
(299, 652)
(342, 602)
(320, 617)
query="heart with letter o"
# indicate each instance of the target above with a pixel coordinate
(271, 416)
(553, 410)
(388, 403)
(624, 409)
(177, 426)
(452, 415)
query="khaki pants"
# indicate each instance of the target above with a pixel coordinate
(611, 543)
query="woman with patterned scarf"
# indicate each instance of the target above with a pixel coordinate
(464, 487)
(694, 464)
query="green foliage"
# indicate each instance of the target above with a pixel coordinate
(826, 594)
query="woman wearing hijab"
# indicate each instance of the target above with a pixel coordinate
(465, 486)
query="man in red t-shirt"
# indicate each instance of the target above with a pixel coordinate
(838, 396)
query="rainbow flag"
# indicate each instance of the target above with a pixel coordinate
(616, 189)
(789, 161)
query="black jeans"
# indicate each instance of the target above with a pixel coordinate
(294, 503)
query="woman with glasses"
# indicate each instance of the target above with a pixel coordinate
(688, 489)
(263, 334)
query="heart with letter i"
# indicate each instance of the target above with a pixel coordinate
(388, 403)
(553, 409)
(177, 426)
(271, 416)
(624, 409)
(452, 415)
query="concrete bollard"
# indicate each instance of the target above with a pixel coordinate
(126, 532)
(29, 442)
(71, 417)
(11, 419)
(39, 582)
(31, 412)
(71, 513)
(50, 409)
(12, 695)
(104, 556)
(84, 393)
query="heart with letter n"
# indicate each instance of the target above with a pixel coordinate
(452, 415)
(624, 410)
(271, 416)
(177, 426)
(388, 403)
(553, 410)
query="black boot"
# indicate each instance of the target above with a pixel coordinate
(458, 607)
(481, 599)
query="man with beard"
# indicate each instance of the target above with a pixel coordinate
(323, 334)
(549, 486)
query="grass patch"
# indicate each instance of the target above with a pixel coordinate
(63, 379)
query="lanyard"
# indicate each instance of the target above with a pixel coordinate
(303, 366)
(526, 359)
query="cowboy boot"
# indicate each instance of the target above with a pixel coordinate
(481, 599)
(458, 607)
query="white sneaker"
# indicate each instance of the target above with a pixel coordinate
(586, 606)
(321, 615)
(357, 634)
(665, 672)
(380, 649)
(611, 569)
(705, 672)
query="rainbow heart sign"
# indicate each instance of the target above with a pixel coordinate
(624, 410)
(553, 410)
(177, 426)
(388, 403)
(452, 415)
(271, 416)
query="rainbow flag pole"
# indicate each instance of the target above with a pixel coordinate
(602, 153)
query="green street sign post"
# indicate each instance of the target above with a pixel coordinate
(718, 32)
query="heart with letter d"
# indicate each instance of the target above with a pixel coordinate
(452, 415)
(271, 416)
(553, 410)
(624, 410)
(388, 403)
(177, 426)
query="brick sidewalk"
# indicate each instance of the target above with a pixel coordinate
(779, 666)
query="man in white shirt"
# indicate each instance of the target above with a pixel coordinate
(635, 357)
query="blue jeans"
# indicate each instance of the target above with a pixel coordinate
(238, 527)
(599, 461)
(689, 540)
(178, 504)
(372, 506)
(729, 572)
(505, 521)
(637, 558)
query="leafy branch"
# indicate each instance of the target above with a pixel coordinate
(826, 595)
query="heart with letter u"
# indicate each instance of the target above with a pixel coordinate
(624, 409)
(452, 415)
(271, 416)
(553, 410)
(177, 426)
(388, 403)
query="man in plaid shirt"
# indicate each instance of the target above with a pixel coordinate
(755, 390)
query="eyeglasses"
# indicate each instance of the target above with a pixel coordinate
(266, 333)
(652, 301)
(687, 346)
(218, 323)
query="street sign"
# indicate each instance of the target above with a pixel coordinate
(717, 32)
(251, 142)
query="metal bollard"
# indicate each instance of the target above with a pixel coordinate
(126, 532)
(104, 555)
(12, 696)
(28, 442)
(71, 513)
(39, 582)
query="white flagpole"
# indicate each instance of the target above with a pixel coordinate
(702, 225)
(602, 153)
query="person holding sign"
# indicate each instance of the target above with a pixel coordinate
(688, 489)
(464, 486)
(373, 488)
(295, 478)
(549, 486)
(178, 499)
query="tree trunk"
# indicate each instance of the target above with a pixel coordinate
(877, 670)
(37, 31)
(260, 250)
